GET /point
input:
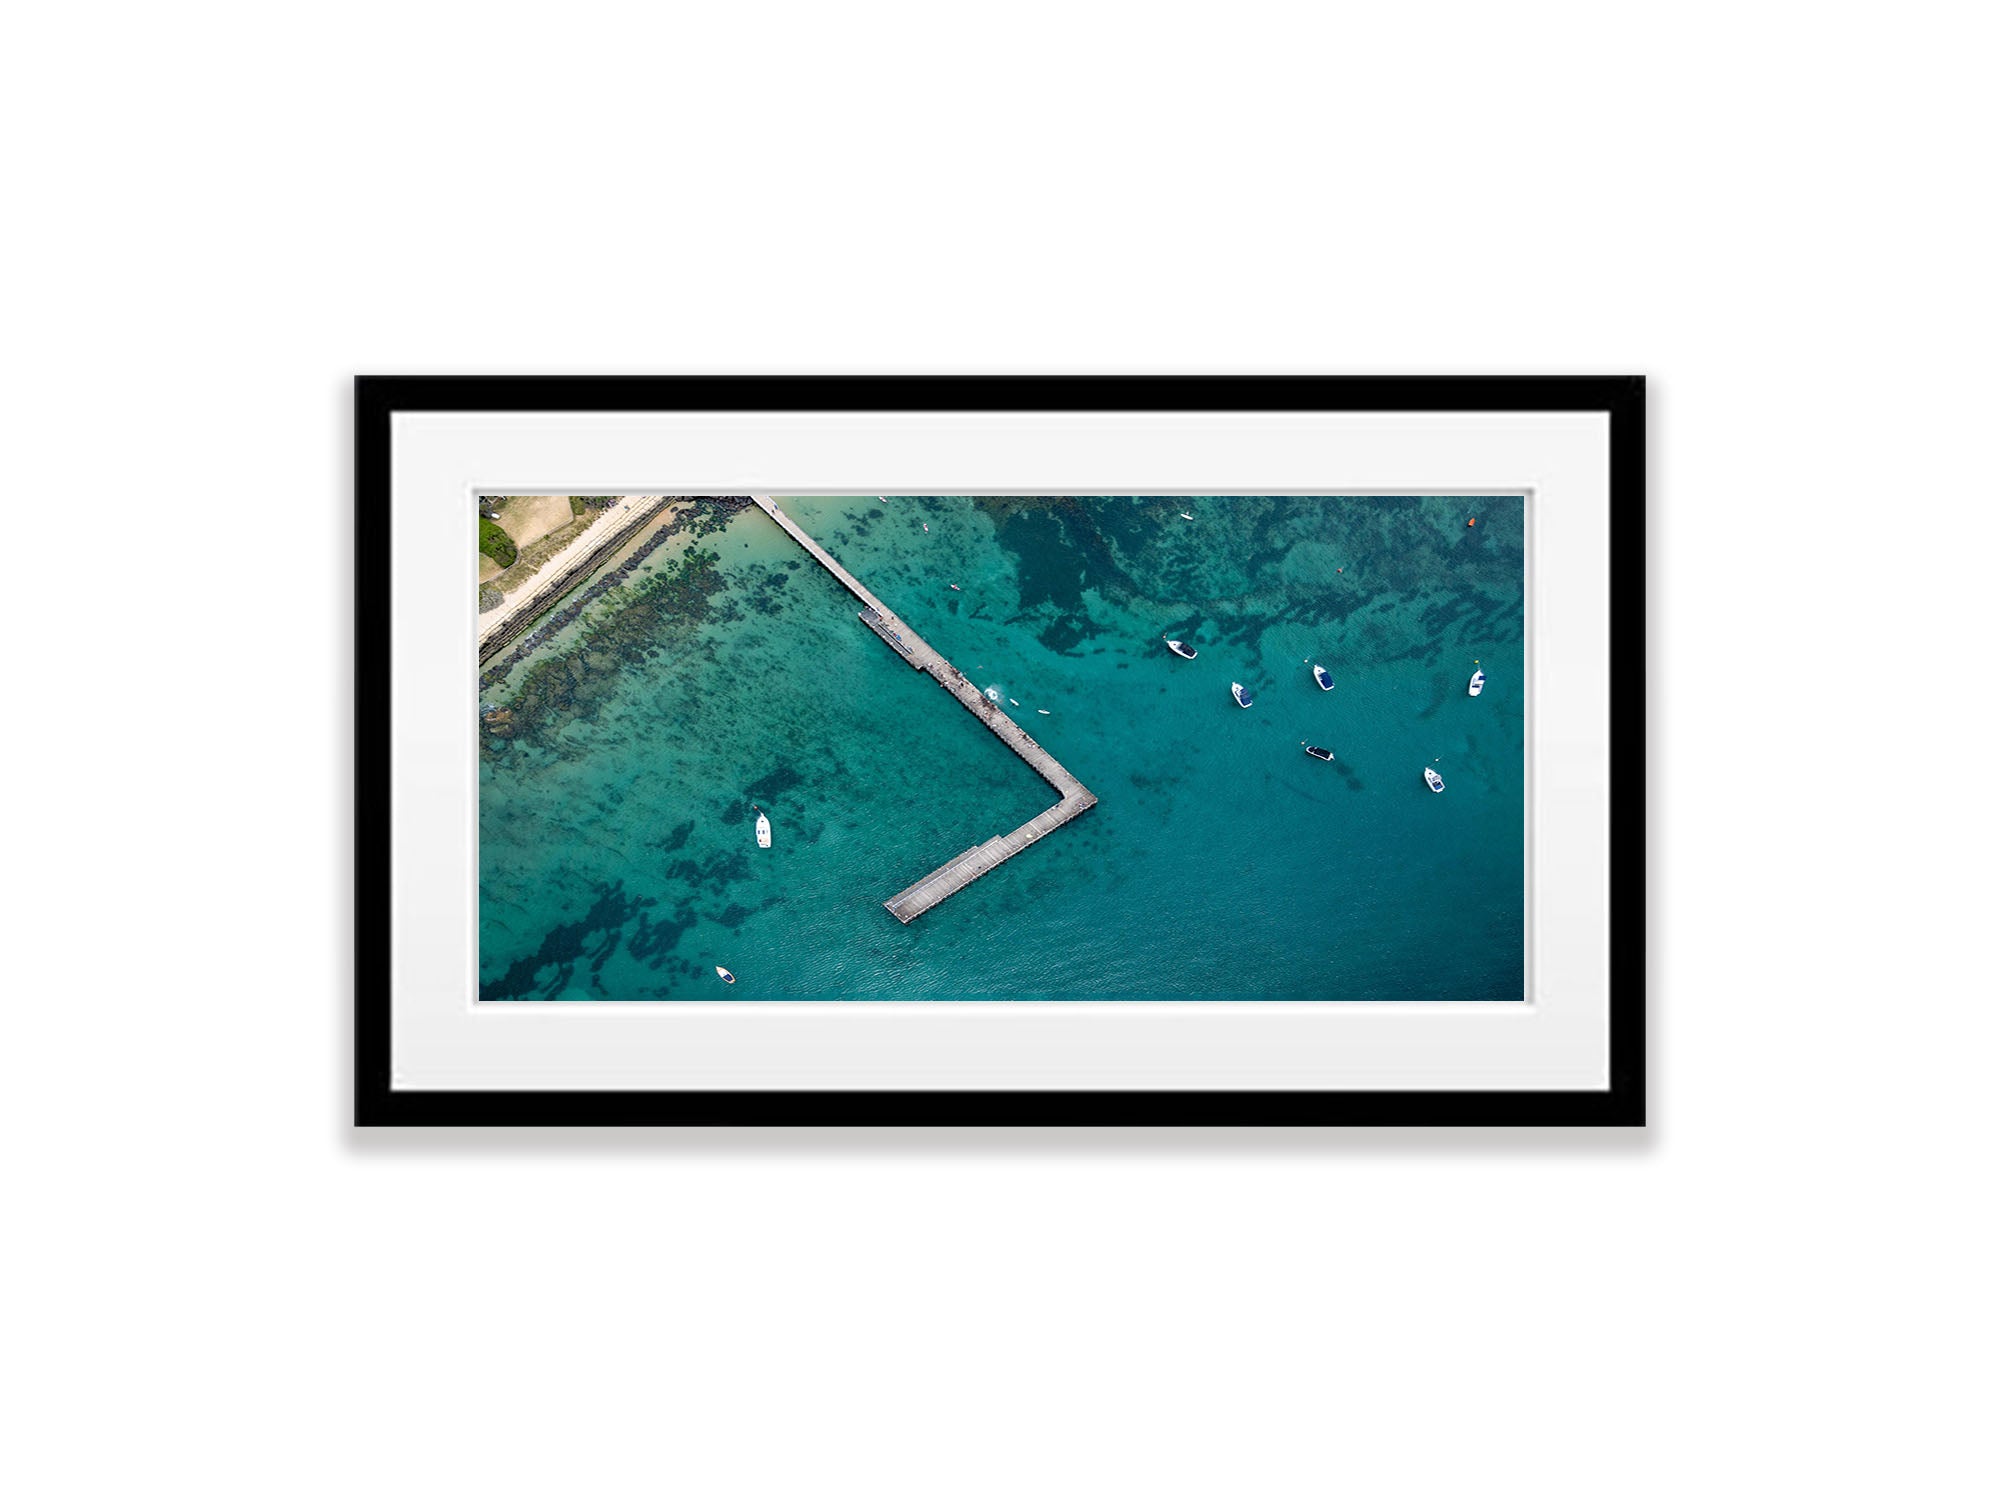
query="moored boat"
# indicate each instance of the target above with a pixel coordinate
(1316, 753)
(1323, 677)
(763, 828)
(1432, 780)
(1182, 650)
(1187, 515)
(727, 977)
(1242, 698)
(1478, 684)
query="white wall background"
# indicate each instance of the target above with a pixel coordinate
(215, 215)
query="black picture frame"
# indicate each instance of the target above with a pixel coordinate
(377, 400)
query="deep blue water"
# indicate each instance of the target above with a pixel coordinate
(617, 856)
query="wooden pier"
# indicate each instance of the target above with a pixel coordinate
(955, 874)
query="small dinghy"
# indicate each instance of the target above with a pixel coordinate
(1316, 753)
(954, 588)
(1432, 780)
(1015, 701)
(763, 828)
(927, 528)
(1478, 684)
(1041, 710)
(1242, 698)
(727, 977)
(1182, 650)
(1323, 677)
(1187, 515)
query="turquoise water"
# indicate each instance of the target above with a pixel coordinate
(617, 853)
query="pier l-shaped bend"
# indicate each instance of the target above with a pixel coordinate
(953, 875)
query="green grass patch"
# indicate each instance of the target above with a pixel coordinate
(496, 544)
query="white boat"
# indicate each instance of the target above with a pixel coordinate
(1015, 701)
(954, 588)
(927, 528)
(1478, 684)
(727, 977)
(1323, 677)
(993, 695)
(1187, 516)
(1041, 710)
(1434, 781)
(1316, 752)
(763, 829)
(1182, 650)
(1242, 698)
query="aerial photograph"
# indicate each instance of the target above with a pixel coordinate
(1035, 748)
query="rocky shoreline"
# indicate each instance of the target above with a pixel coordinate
(710, 513)
(548, 590)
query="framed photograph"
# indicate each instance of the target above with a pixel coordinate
(923, 751)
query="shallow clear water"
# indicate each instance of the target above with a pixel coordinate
(618, 857)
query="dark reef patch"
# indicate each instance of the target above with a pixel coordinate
(653, 939)
(1062, 547)
(768, 788)
(768, 595)
(662, 609)
(714, 874)
(1067, 631)
(592, 938)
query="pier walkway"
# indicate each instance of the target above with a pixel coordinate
(956, 874)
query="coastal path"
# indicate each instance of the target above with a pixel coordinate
(608, 531)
